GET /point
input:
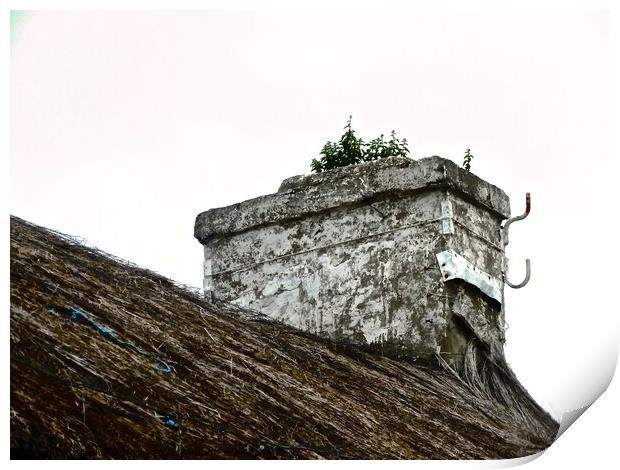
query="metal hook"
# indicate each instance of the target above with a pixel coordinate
(504, 234)
(522, 283)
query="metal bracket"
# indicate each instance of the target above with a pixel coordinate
(504, 237)
(454, 266)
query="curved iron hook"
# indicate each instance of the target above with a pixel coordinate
(522, 283)
(505, 242)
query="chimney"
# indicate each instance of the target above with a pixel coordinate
(402, 255)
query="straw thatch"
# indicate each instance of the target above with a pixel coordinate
(109, 360)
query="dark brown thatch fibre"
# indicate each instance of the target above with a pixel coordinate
(109, 360)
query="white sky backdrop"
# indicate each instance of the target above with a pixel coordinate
(124, 126)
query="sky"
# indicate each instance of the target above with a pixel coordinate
(124, 126)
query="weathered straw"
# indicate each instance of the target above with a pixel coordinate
(92, 384)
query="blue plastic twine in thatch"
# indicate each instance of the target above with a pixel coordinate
(76, 314)
(168, 421)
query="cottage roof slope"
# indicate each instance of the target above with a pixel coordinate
(109, 360)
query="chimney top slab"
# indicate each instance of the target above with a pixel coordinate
(300, 196)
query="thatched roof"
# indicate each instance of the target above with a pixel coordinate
(109, 360)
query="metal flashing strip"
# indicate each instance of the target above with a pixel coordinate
(447, 216)
(455, 266)
(207, 281)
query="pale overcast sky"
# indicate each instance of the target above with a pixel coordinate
(124, 126)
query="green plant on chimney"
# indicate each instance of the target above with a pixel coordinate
(351, 150)
(467, 160)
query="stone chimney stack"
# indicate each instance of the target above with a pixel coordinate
(405, 255)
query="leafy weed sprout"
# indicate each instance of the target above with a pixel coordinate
(351, 150)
